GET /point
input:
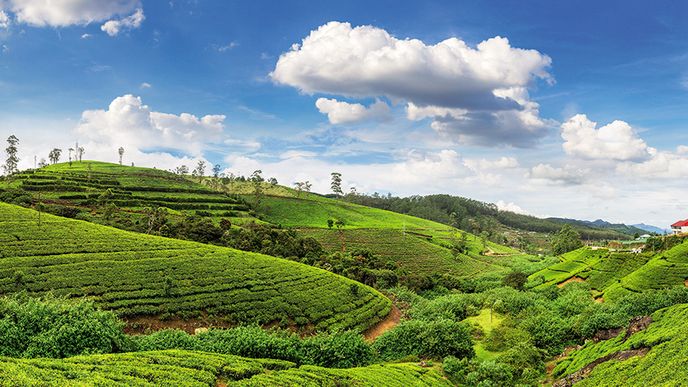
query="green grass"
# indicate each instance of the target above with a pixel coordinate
(664, 364)
(136, 274)
(190, 368)
(487, 321)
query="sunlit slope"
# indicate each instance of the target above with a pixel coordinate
(418, 245)
(189, 368)
(664, 270)
(654, 356)
(136, 274)
(82, 184)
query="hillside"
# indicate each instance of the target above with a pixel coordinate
(123, 197)
(152, 280)
(652, 356)
(188, 368)
(416, 245)
(602, 225)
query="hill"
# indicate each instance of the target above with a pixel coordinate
(123, 196)
(602, 225)
(155, 281)
(651, 229)
(416, 245)
(189, 368)
(649, 356)
(505, 227)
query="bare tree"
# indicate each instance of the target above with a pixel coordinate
(302, 186)
(199, 171)
(121, 153)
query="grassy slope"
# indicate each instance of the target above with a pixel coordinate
(136, 274)
(487, 321)
(189, 368)
(600, 268)
(135, 188)
(419, 245)
(665, 364)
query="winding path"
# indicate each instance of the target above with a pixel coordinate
(383, 326)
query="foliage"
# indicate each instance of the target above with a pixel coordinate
(567, 239)
(54, 327)
(430, 339)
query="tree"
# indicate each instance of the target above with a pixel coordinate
(80, 152)
(71, 150)
(302, 186)
(42, 163)
(216, 170)
(567, 239)
(12, 160)
(157, 218)
(336, 184)
(199, 171)
(182, 170)
(54, 155)
(121, 153)
(257, 180)
(516, 280)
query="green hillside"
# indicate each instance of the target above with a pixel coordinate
(416, 245)
(188, 368)
(654, 356)
(612, 274)
(89, 190)
(143, 275)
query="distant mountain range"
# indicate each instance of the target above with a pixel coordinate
(620, 227)
(650, 228)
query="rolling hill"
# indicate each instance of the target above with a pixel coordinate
(190, 368)
(150, 279)
(417, 246)
(650, 357)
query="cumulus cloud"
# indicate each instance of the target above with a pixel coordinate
(466, 90)
(662, 165)
(501, 163)
(4, 20)
(130, 123)
(614, 141)
(115, 26)
(63, 13)
(562, 176)
(510, 206)
(340, 112)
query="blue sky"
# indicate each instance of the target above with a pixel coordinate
(67, 75)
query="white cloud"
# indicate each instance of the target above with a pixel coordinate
(227, 47)
(682, 149)
(501, 163)
(473, 94)
(63, 13)
(86, 36)
(615, 141)
(145, 85)
(662, 165)
(510, 206)
(340, 112)
(564, 176)
(115, 26)
(4, 20)
(128, 122)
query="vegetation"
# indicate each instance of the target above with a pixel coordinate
(567, 239)
(144, 275)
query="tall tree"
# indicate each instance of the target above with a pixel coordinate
(182, 170)
(71, 150)
(199, 171)
(54, 155)
(121, 153)
(257, 180)
(567, 239)
(336, 184)
(80, 152)
(12, 160)
(302, 186)
(216, 170)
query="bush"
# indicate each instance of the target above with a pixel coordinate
(455, 369)
(429, 339)
(57, 328)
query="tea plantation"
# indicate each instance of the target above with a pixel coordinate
(654, 356)
(189, 368)
(144, 275)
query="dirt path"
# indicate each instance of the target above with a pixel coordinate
(568, 281)
(383, 326)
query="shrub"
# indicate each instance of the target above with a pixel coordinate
(430, 339)
(55, 327)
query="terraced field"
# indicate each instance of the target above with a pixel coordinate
(666, 269)
(143, 275)
(652, 357)
(188, 368)
(133, 189)
(614, 274)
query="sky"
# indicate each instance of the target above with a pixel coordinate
(569, 109)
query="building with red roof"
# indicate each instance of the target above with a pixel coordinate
(680, 227)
